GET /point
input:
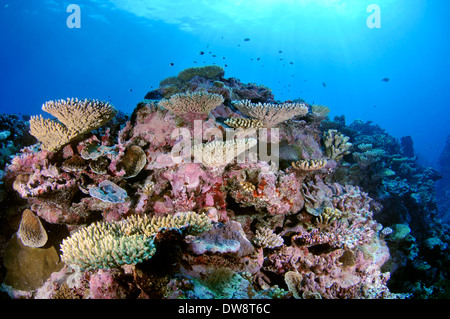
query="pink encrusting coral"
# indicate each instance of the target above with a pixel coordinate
(321, 232)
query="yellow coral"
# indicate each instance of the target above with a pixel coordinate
(328, 216)
(220, 153)
(247, 187)
(336, 144)
(52, 134)
(109, 245)
(309, 165)
(271, 114)
(150, 226)
(75, 117)
(197, 102)
(266, 238)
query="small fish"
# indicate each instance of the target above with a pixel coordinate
(247, 39)
(171, 64)
(131, 90)
(258, 59)
(213, 55)
(223, 58)
(226, 65)
(201, 53)
(324, 84)
(194, 61)
(291, 62)
(385, 80)
(280, 51)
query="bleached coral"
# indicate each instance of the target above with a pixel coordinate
(75, 117)
(271, 114)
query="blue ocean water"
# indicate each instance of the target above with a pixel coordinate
(322, 51)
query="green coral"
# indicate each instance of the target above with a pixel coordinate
(131, 241)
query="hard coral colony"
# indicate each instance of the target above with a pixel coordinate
(217, 222)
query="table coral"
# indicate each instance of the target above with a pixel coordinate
(75, 118)
(271, 114)
(197, 102)
(112, 244)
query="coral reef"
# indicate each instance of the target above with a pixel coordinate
(179, 201)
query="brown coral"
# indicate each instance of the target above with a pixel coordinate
(31, 232)
(75, 117)
(309, 165)
(133, 161)
(237, 122)
(271, 114)
(197, 102)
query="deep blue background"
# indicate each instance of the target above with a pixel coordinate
(124, 48)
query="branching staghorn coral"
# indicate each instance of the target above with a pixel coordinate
(328, 216)
(266, 238)
(130, 241)
(221, 153)
(271, 114)
(336, 145)
(197, 102)
(75, 117)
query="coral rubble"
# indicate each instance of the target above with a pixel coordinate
(176, 202)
